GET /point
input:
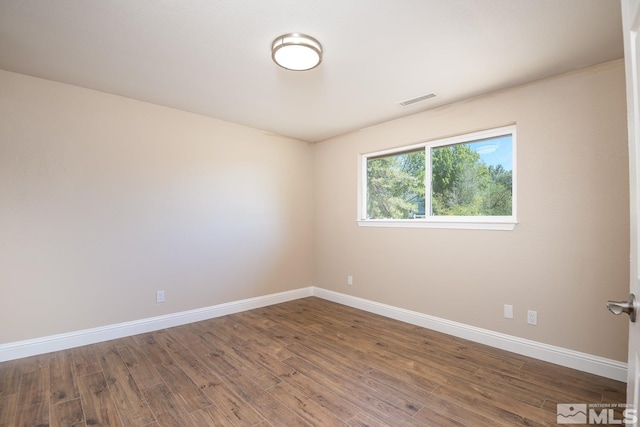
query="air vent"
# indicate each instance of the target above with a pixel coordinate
(416, 100)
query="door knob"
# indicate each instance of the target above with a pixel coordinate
(619, 307)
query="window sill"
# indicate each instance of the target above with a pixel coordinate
(504, 224)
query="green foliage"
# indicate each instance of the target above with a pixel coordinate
(462, 185)
(395, 186)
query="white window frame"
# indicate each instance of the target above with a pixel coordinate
(455, 222)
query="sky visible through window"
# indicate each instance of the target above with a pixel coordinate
(495, 151)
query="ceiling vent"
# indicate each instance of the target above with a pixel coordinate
(416, 100)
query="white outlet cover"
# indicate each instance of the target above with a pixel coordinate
(508, 311)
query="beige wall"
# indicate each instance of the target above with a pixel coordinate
(566, 257)
(104, 200)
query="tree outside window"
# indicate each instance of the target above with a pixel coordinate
(473, 178)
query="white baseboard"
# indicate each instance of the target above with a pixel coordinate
(32, 347)
(561, 356)
(558, 355)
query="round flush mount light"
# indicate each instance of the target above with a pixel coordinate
(297, 52)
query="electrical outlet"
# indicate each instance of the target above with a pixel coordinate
(508, 311)
(350, 280)
(532, 317)
(159, 296)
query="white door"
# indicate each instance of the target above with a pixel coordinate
(631, 29)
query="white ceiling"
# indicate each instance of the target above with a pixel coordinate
(213, 57)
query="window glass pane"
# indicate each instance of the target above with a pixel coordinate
(395, 186)
(473, 179)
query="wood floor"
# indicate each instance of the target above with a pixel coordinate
(305, 362)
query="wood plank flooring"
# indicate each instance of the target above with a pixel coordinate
(308, 362)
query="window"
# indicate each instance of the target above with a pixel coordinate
(466, 181)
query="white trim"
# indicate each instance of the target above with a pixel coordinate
(32, 347)
(465, 224)
(561, 356)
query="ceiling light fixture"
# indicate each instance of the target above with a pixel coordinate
(297, 52)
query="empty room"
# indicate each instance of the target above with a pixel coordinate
(301, 213)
